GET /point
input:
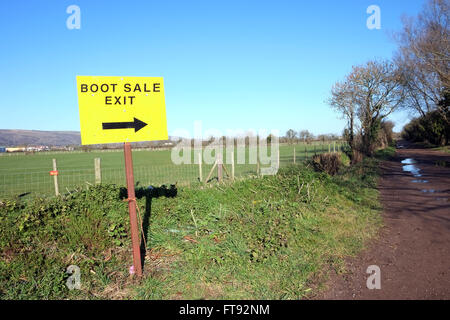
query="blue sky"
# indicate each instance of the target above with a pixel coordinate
(231, 64)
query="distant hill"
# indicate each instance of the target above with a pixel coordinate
(11, 138)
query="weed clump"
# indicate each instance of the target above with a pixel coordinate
(327, 162)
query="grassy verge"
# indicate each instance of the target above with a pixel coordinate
(259, 238)
(433, 147)
(385, 154)
(443, 149)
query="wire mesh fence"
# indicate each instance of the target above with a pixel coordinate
(20, 181)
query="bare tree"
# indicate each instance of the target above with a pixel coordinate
(424, 56)
(378, 91)
(342, 100)
(290, 135)
(305, 135)
(309, 136)
(302, 135)
(370, 92)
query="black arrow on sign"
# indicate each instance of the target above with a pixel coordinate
(136, 124)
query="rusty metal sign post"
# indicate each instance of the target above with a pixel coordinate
(137, 262)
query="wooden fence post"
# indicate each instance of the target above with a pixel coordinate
(334, 146)
(278, 158)
(306, 153)
(210, 172)
(232, 165)
(258, 169)
(294, 155)
(219, 167)
(55, 178)
(329, 148)
(98, 171)
(200, 173)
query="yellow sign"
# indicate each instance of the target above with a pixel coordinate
(121, 109)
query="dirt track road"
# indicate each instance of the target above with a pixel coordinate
(413, 250)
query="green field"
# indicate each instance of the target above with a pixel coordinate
(29, 173)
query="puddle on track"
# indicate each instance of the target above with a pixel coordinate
(415, 171)
(409, 161)
(429, 191)
(410, 167)
(419, 181)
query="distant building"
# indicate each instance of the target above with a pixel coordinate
(2, 149)
(13, 149)
(37, 148)
(61, 148)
